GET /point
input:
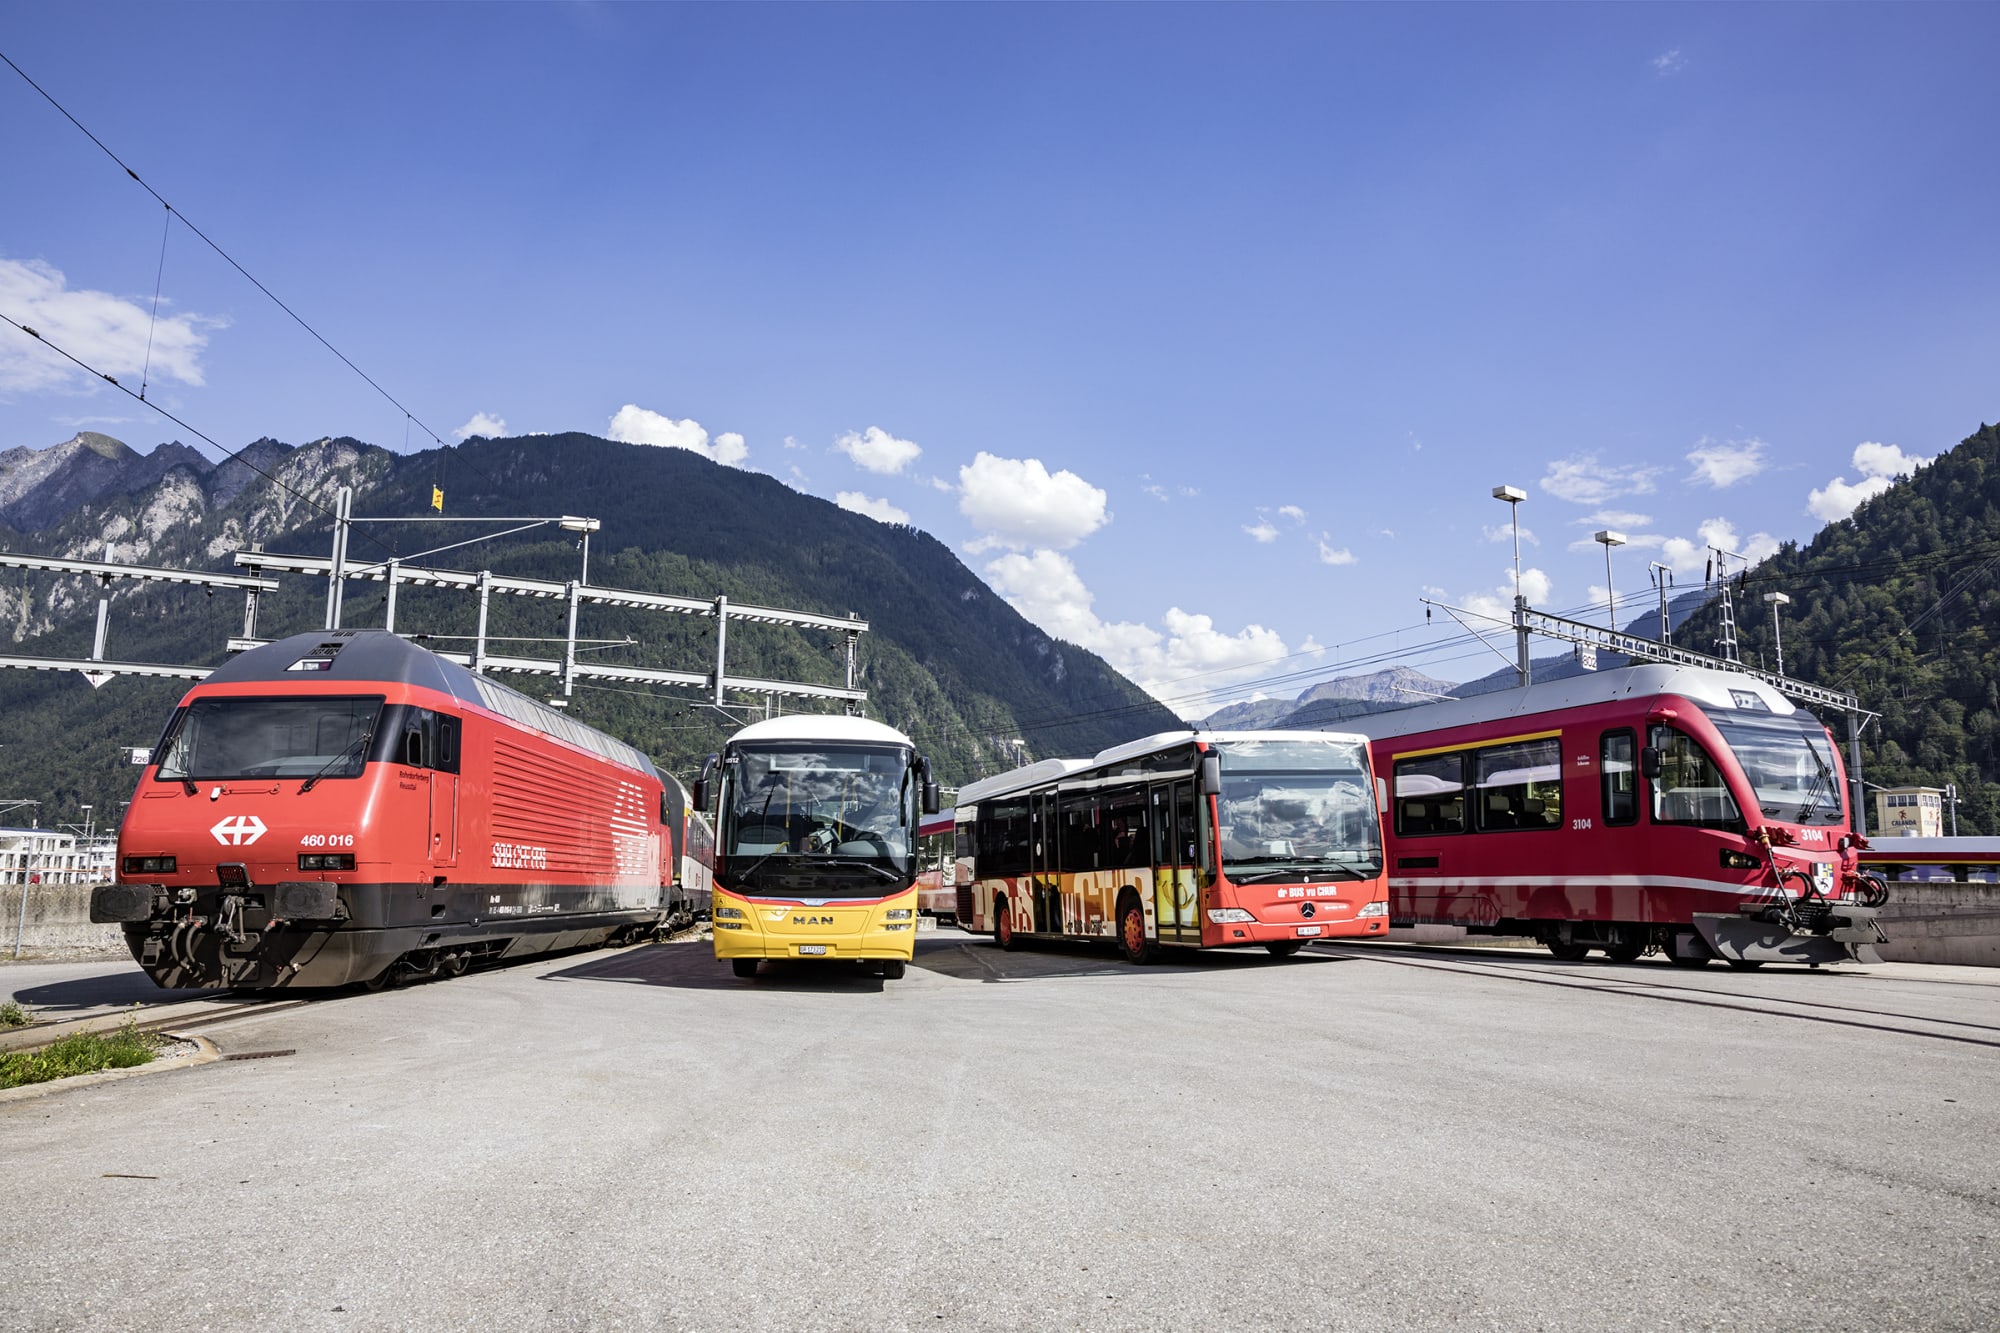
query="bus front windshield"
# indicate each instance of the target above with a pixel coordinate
(823, 821)
(301, 737)
(1295, 807)
(1789, 764)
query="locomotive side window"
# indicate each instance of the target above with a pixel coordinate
(1519, 785)
(1690, 788)
(447, 743)
(1430, 794)
(1619, 770)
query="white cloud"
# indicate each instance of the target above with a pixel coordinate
(792, 442)
(482, 423)
(1044, 587)
(1330, 555)
(876, 450)
(1585, 481)
(1504, 534)
(1669, 62)
(879, 510)
(1263, 532)
(1615, 518)
(107, 333)
(1293, 512)
(1692, 557)
(1018, 504)
(1726, 462)
(1879, 465)
(1499, 603)
(636, 425)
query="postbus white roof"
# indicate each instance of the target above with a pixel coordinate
(820, 727)
(1702, 685)
(1048, 770)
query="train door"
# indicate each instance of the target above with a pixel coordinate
(441, 746)
(1176, 858)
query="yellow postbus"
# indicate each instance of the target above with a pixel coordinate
(816, 841)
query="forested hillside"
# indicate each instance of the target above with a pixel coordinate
(945, 658)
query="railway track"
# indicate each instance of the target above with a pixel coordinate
(1642, 985)
(181, 1016)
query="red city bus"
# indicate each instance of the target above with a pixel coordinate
(1693, 811)
(1225, 839)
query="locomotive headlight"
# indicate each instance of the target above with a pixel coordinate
(326, 861)
(896, 914)
(151, 865)
(728, 914)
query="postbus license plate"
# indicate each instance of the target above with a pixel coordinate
(812, 948)
(1308, 930)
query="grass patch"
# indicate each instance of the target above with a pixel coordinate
(79, 1053)
(12, 1015)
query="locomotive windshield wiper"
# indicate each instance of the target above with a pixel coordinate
(360, 743)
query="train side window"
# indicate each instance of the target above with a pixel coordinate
(418, 728)
(1690, 788)
(1430, 795)
(445, 756)
(1519, 786)
(1619, 769)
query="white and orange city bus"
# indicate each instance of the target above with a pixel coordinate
(1223, 839)
(816, 842)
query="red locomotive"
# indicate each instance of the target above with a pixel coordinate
(343, 806)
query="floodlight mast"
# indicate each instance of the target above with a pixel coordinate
(1513, 495)
(1608, 539)
(1777, 599)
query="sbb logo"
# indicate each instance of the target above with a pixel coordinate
(238, 830)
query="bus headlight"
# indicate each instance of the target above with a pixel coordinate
(728, 914)
(1224, 916)
(1373, 909)
(900, 925)
(896, 914)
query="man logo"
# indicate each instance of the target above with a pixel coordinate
(812, 921)
(238, 830)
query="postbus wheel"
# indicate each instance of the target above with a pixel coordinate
(743, 967)
(1282, 948)
(892, 970)
(1003, 926)
(1132, 941)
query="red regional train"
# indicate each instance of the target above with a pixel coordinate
(344, 806)
(1686, 810)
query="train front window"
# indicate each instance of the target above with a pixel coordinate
(1291, 807)
(225, 738)
(1789, 764)
(841, 821)
(1690, 788)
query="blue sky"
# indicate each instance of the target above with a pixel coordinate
(1202, 333)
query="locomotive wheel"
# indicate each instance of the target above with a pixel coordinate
(1132, 941)
(1003, 926)
(892, 970)
(743, 967)
(1567, 950)
(1625, 952)
(1282, 948)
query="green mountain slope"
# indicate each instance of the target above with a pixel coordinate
(945, 658)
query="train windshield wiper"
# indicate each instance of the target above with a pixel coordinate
(360, 743)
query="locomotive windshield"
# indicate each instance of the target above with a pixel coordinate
(1789, 764)
(320, 735)
(837, 821)
(1296, 806)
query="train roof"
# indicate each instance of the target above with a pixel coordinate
(1719, 690)
(1933, 849)
(374, 657)
(820, 727)
(1047, 770)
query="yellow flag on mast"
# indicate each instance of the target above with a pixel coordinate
(437, 498)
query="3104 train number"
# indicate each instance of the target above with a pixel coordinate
(327, 840)
(516, 856)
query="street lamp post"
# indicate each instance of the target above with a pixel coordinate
(1777, 599)
(1513, 495)
(1608, 539)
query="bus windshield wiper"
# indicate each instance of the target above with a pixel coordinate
(842, 863)
(359, 743)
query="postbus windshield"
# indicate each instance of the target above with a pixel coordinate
(831, 821)
(1297, 806)
(298, 737)
(1789, 764)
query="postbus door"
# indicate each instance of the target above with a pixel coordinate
(1176, 859)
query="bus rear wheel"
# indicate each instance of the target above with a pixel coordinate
(743, 967)
(892, 970)
(1003, 926)
(1132, 941)
(1282, 948)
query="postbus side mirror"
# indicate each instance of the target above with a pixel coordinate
(700, 794)
(1650, 762)
(931, 801)
(1211, 774)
